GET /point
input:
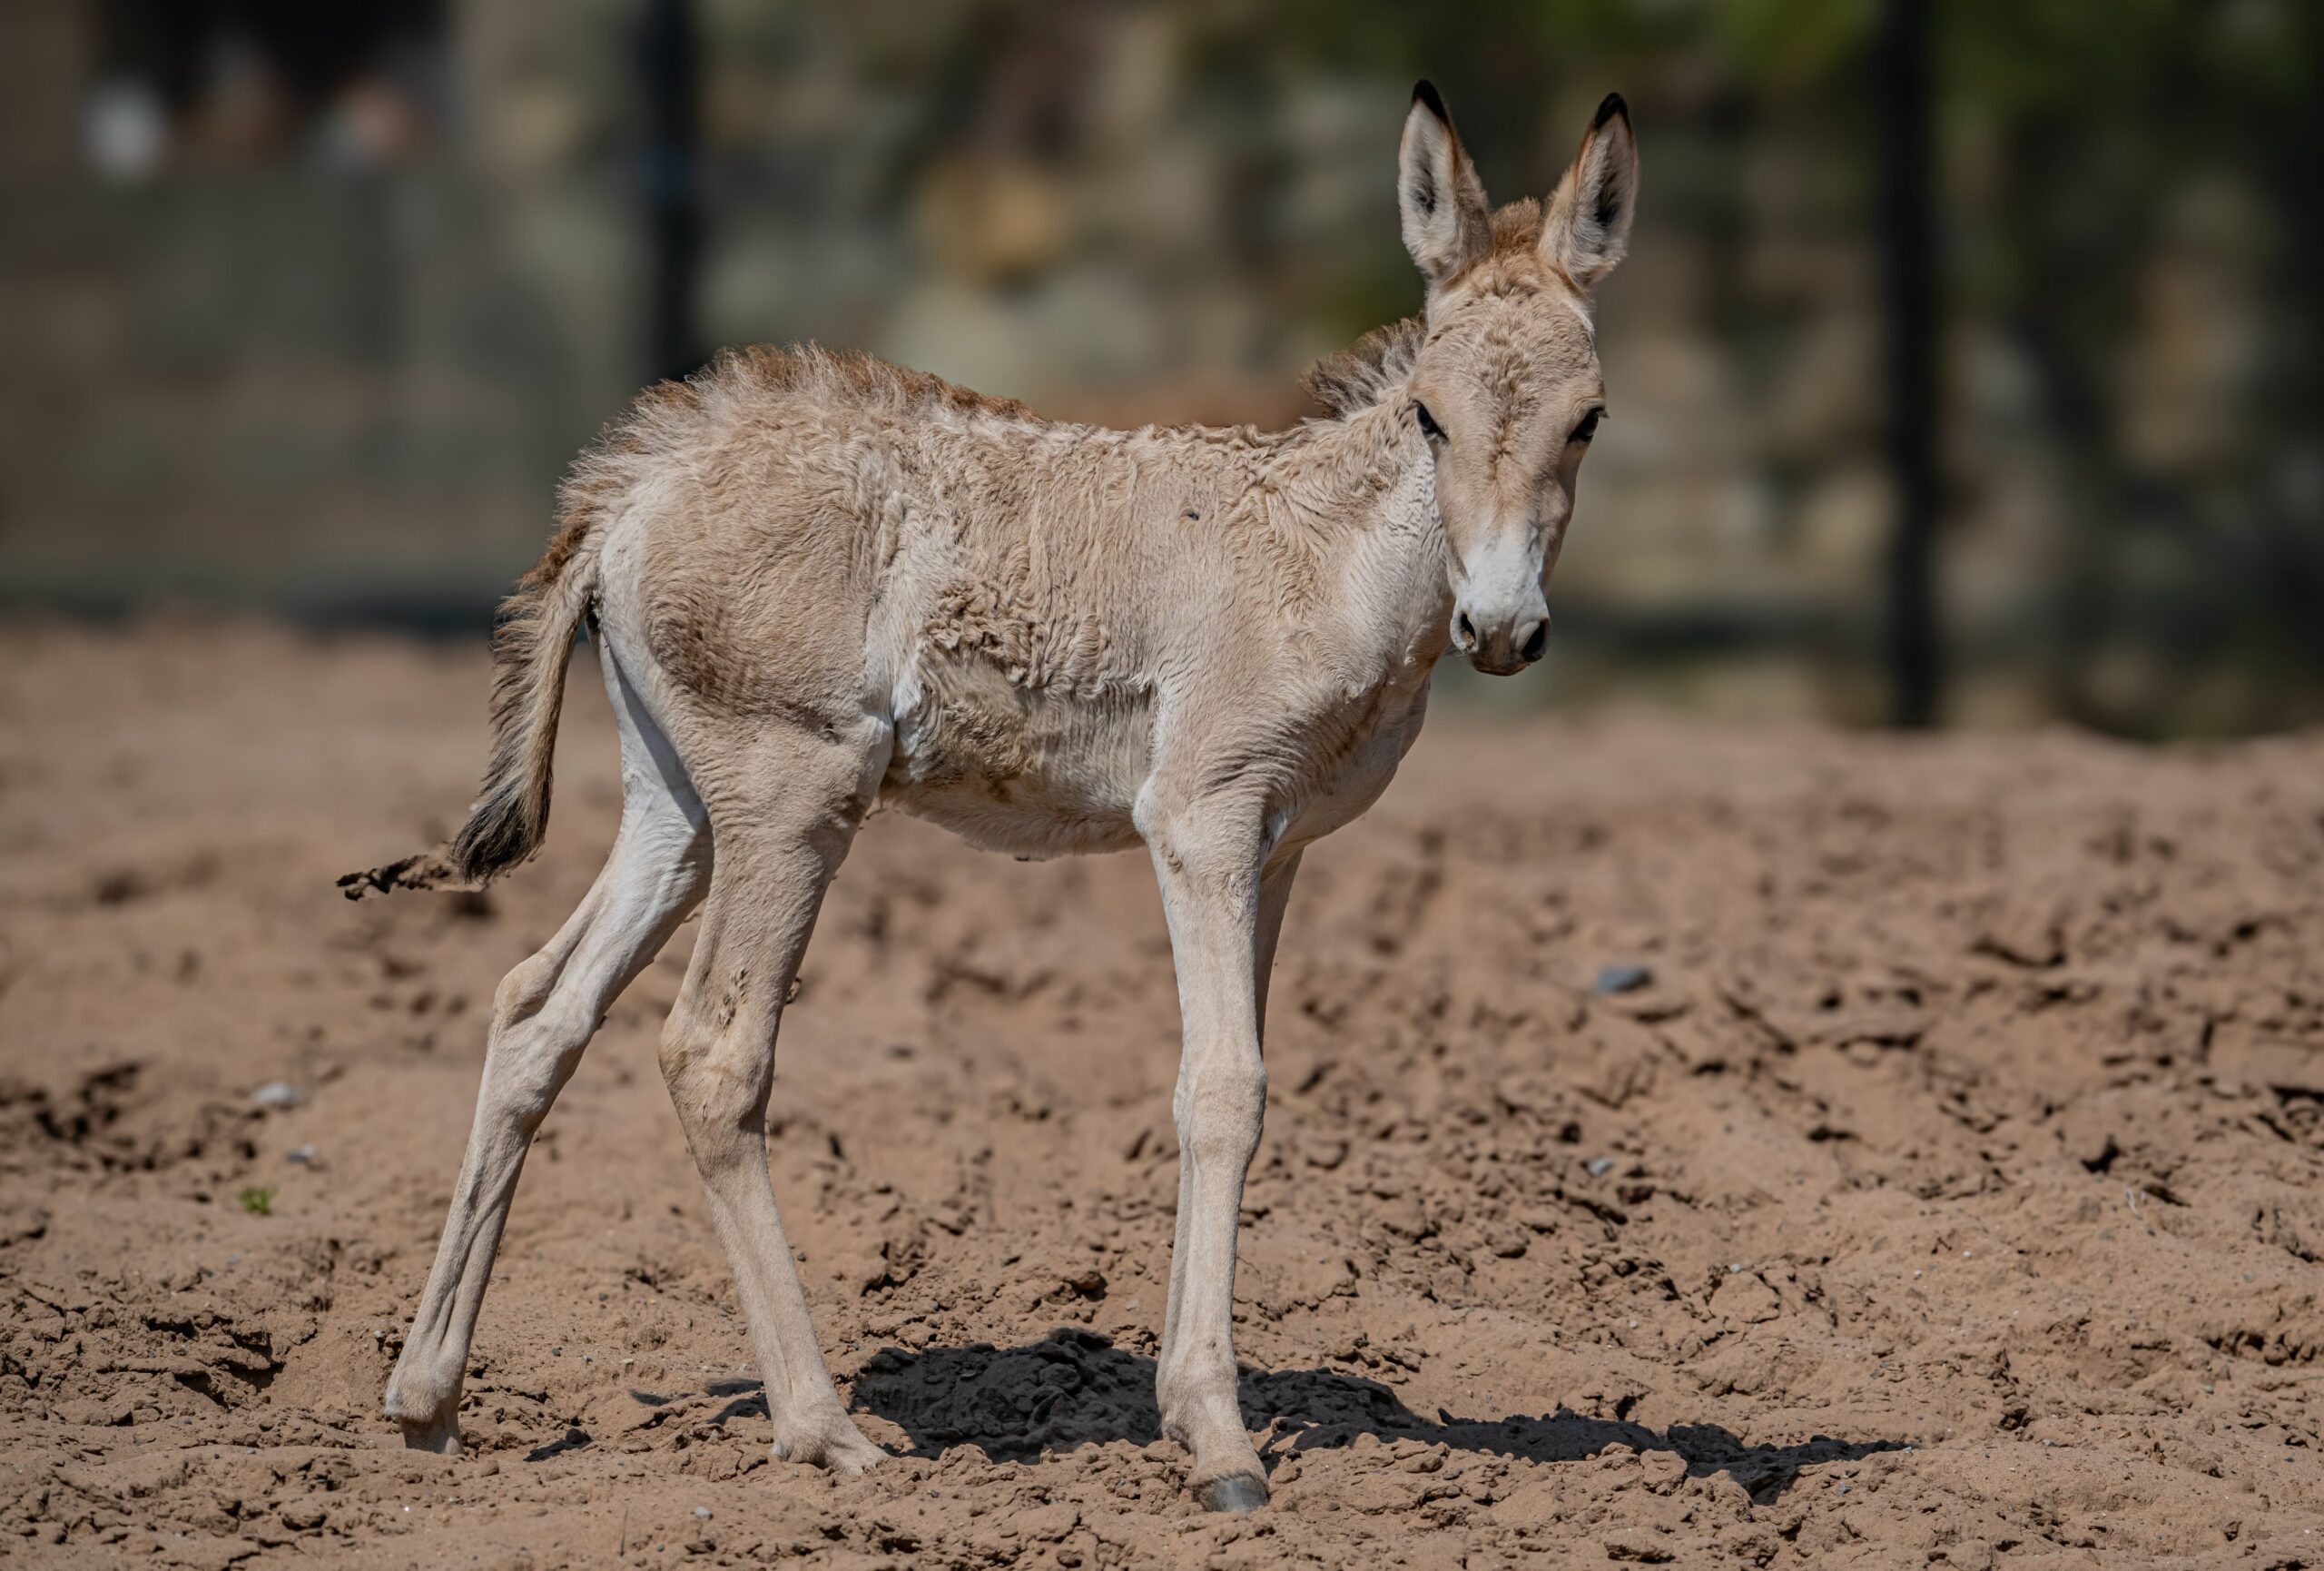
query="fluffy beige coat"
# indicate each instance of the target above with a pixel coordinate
(819, 583)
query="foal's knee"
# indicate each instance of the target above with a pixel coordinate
(1219, 1109)
(540, 1010)
(538, 1031)
(721, 1099)
(525, 991)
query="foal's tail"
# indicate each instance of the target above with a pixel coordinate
(530, 643)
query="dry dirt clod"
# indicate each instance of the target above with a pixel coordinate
(1867, 1155)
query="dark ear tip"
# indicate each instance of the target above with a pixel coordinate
(1608, 107)
(1424, 92)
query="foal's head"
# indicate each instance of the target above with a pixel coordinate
(1506, 386)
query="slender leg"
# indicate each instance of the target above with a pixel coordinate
(547, 1010)
(1274, 896)
(775, 857)
(1225, 913)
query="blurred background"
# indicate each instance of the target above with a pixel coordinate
(1965, 369)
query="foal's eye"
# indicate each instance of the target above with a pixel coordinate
(1587, 428)
(1428, 426)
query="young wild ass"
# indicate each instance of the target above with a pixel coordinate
(819, 583)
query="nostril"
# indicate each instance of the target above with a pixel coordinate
(1537, 641)
(1466, 630)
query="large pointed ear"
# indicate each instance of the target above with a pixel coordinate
(1446, 223)
(1588, 225)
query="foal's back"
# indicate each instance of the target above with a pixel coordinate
(784, 478)
(802, 537)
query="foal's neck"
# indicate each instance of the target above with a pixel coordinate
(1366, 482)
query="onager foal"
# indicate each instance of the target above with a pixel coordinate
(817, 582)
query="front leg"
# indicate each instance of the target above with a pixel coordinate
(1223, 908)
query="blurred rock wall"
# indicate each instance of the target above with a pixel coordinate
(307, 308)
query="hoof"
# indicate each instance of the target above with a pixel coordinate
(838, 1448)
(440, 1436)
(1237, 1493)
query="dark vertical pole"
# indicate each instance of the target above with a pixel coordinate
(669, 62)
(1908, 310)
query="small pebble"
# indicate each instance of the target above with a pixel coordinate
(1623, 979)
(1600, 1166)
(304, 1155)
(277, 1093)
(703, 1512)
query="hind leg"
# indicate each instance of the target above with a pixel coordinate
(777, 850)
(547, 1010)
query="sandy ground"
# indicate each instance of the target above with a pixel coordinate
(1947, 1190)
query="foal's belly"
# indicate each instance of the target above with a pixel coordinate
(1030, 772)
(1047, 772)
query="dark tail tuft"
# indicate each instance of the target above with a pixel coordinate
(425, 871)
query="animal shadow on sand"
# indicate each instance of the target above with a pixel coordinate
(1074, 1388)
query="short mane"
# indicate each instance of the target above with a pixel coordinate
(1380, 361)
(1363, 374)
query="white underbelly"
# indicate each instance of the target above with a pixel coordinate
(1036, 773)
(1029, 824)
(1030, 772)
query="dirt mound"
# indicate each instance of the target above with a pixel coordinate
(1684, 1144)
